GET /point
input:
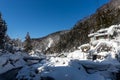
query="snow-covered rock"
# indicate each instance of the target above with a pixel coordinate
(76, 65)
(68, 69)
(9, 61)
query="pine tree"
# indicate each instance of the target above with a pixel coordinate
(28, 46)
(3, 29)
(8, 46)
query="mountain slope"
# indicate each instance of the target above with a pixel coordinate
(43, 44)
(105, 16)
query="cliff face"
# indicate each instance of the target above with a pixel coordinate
(105, 16)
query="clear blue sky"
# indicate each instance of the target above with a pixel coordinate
(42, 17)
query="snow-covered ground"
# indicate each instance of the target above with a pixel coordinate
(76, 65)
(57, 68)
(10, 61)
(97, 60)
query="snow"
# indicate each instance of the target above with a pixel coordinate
(3, 60)
(50, 42)
(77, 55)
(6, 68)
(105, 32)
(101, 34)
(10, 61)
(68, 69)
(74, 65)
(92, 34)
(111, 30)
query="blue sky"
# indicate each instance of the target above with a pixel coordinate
(42, 17)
